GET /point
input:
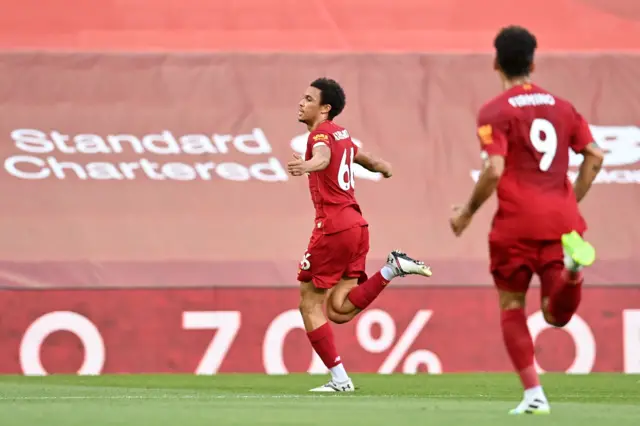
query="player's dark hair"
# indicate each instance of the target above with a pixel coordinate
(515, 47)
(332, 94)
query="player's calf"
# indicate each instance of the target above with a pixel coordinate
(519, 345)
(321, 337)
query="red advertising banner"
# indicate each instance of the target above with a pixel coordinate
(164, 170)
(204, 331)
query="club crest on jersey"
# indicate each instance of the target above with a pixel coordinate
(485, 134)
(320, 137)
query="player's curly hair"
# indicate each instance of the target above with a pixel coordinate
(515, 47)
(331, 93)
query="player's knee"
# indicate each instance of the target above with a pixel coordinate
(309, 307)
(305, 307)
(510, 300)
(553, 321)
(336, 317)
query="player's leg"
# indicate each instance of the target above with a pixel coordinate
(561, 293)
(320, 269)
(349, 298)
(338, 310)
(561, 277)
(398, 264)
(511, 267)
(321, 337)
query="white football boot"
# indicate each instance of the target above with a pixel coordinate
(333, 386)
(404, 265)
(535, 405)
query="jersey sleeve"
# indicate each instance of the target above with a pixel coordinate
(492, 134)
(581, 135)
(318, 138)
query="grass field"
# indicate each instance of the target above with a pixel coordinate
(472, 399)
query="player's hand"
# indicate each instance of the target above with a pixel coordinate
(386, 171)
(296, 167)
(460, 219)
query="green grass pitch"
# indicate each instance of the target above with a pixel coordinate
(187, 400)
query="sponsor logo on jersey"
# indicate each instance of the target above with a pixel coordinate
(320, 137)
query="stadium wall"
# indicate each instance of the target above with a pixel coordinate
(148, 206)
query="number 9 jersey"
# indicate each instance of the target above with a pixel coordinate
(333, 189)
(534, 131)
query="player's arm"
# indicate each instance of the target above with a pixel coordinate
(493, 143)
(582, 143)
(373, 164)
(320, 159)
(318, 144)
(486, 185)
(589, 169)
(492, 170)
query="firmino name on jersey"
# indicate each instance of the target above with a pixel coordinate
(532, 99)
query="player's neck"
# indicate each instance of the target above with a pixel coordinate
(513, 82)
(314, 125)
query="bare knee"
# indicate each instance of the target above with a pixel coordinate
(553, 321)
(509, 300)
(307, 306)
(310, 306)
(339, 297)
(548, 317)
(338, 318)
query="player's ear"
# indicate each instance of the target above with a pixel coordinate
(324, 109)
(496, 65)
(532, 68)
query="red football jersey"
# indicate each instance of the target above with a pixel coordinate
(534, 131)
(332, 189)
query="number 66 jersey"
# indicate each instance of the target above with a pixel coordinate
(339, 242)
(534, 131)
(333, 189)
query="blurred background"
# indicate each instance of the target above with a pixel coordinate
(148, 224)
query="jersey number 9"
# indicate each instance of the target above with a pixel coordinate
(546, 147)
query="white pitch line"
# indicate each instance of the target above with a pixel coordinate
(202, 397)
(232, 396)
(127, 397)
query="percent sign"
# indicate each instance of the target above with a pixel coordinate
(399, 350)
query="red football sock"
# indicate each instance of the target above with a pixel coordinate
(322, 341)
(362, 295)
(566, 292)
(519, 344)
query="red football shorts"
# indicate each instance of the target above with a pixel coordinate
(513, 264)
(332, 257)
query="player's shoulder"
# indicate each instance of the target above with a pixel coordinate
(332, 128)
(496, 108)
(507, 104)
(318, 137)
(543, 96)
(321, 134)
(330, 131)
